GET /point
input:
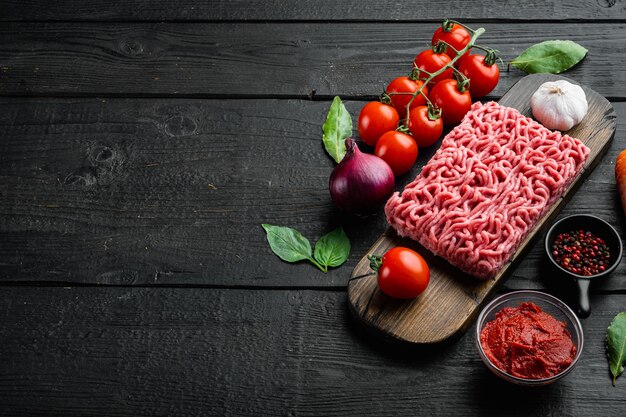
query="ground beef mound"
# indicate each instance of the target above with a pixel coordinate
(493, 178)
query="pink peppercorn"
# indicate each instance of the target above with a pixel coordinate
(581, 252)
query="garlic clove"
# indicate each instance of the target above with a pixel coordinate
(559, 104)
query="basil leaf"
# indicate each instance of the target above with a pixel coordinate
(287, 243)
(337, 128)
(616, 345)
(550, 56)
(333, 248)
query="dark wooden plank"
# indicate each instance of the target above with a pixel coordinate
(273, 60)
(164, 191)
(190, 352)
(326, 10)
(146, 191)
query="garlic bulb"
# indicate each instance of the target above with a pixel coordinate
(559, 105)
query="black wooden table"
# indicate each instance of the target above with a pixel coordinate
(143, 143)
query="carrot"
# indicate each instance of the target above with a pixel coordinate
(620, 177)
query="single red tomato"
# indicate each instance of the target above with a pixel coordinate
(375, 119)
(453, 102)
(454, 35)
(398, 149)
(431, 62)
(426, 127)
(483, 76)
(404, 85)
(402, 273)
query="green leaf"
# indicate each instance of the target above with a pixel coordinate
(287, 243)
(333, 248)
(616, 345)
(337, 128)
(550, 56)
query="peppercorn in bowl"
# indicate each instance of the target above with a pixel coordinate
(583, 248)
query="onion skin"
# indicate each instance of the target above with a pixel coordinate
(360, 182)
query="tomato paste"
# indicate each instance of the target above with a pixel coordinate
(527, 342)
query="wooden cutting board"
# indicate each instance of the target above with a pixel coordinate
(453, 299)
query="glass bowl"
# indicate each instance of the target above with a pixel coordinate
(551, 305)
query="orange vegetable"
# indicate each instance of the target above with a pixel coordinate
(620, 177)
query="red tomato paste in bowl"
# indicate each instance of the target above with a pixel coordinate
(527, 342)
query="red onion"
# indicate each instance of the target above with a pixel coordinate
(361, 181)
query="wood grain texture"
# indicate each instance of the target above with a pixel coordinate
(172, 192)
(263, 59)
(325, 10)
(453, 298)
(165, 191)
(207, 352)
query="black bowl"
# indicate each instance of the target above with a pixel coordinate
(598, 227)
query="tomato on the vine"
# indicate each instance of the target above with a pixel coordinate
(483, 74)
(404, 85)
(431, 61)
(425, 125)
(398, 149)
(375, 119)
(453, 100)
(402, 272)
(454, 35)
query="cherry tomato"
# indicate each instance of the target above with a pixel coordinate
(398, 149)
(452, 102)
(483, 77)
(403, 273)
(457, 37)
(375, 119)
(405, 85)
(431, 61)
(425, 130)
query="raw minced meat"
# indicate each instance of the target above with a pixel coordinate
(484, 190)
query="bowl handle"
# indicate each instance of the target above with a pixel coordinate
(582, 306)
